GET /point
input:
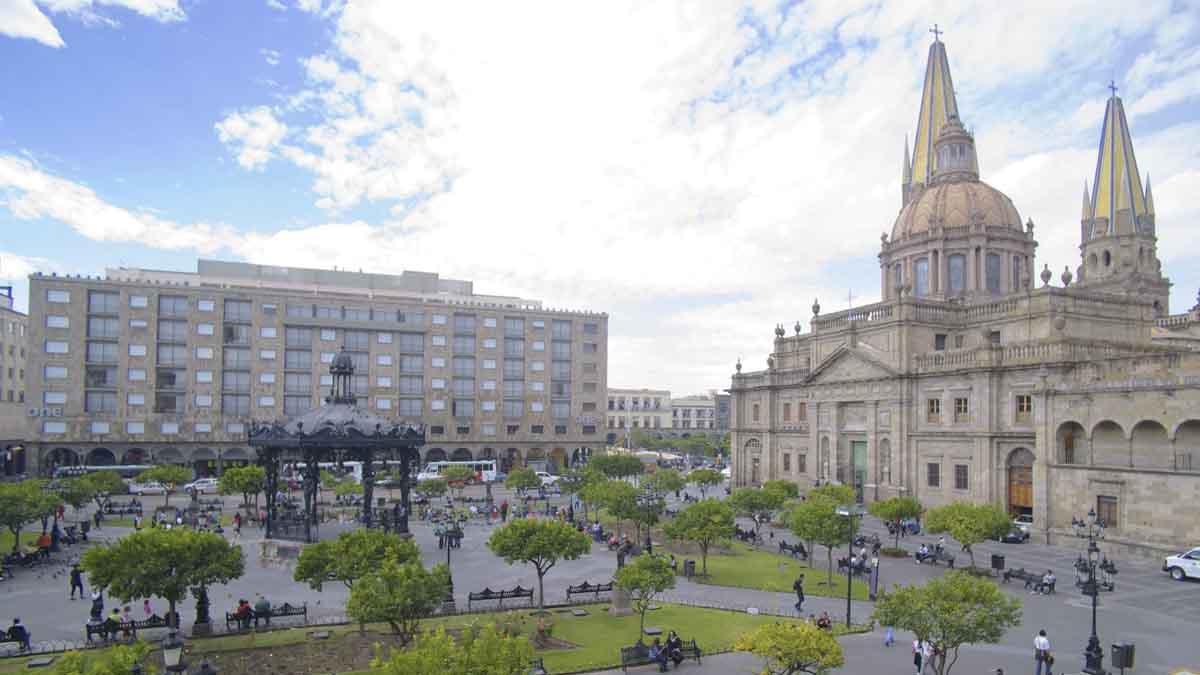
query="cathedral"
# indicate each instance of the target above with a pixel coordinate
(980, 378)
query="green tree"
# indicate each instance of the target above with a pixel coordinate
(76, 492)
(352, 556)
(170, 476)
(523, 479)
(164, 563)
(20, 504)
(949, 611)
(786, 489)
(575, 481)
(617, 466)
(894, 510)
(645, 578)
(749, 502)
(620, 500)
(479, 651)
(457, 475)
(705, 523)
(541, 543)
(969, 524)
(704, 479)
(793, 648)
(246, 481)
(399, 595)
(103, 484)
(117, 660)
(328, 479)
(346, 487)
(432, 488)
(665, 481)
(815, 520)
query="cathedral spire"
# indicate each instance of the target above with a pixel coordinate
(905, 174)
(1087, 203)
(937, 105)
(1149, 197)
(1117, 195)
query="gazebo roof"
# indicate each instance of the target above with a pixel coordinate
(339, 423)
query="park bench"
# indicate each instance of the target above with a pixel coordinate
(122, 509)
(108, 630)
(858, 569)
(934, 557)
(278, 612)
(1030, 578)
(589, 589)
(501, 596)
(639, 654)
(747, 536)
(795, 550)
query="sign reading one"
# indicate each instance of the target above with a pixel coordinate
(45, 412)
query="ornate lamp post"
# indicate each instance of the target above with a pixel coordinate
(1093, 654)
(850, 512)
(453, 535)
(172, 649)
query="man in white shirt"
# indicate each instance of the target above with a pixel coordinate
(1041, 653)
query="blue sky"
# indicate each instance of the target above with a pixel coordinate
(701, 171)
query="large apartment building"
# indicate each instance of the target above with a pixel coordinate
(628, 409)
(690, 413)
(13, 351)
(168, 367)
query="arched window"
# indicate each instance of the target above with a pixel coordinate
(993, 272)
(921, 274)
(956, 273)
(1016, 272)
(885, 462)
(1107, 259)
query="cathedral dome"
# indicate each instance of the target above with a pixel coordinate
(955, 204)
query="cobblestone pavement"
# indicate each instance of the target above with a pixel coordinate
(1147, 608)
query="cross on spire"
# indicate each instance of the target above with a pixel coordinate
(936, 33)
(1112, 84)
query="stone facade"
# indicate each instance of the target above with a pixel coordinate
(152, 366)
(972, 381)
(14, 346)
(646, 409)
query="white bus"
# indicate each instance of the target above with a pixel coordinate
(484, 470)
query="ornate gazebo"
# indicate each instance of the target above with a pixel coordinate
(337, 431)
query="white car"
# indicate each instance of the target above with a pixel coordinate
(202, 486)
(1024, 523)
(727, 472)
(151, 488)
(547, 479)
(1183, 566)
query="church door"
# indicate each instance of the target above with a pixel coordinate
(754, 470)
(1020, 482)
(858, 457)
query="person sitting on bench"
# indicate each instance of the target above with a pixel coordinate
(20, 634)
(674, 648)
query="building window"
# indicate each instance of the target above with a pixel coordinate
(939, 342)
(438, 340)
(409, 407)
(1016, 273)
(961, 479)
(206, 305)
(103, 303)
(58, 297)
(56, 347)
(135, 427)
(238, 310)
(1024, 408)
(956, 273)
(787, 462)
(55, 321)
(962, 410)
(933, 474)
(328, 335)
(802, 463)
(135, 399)
(1106, 511)
(489, 322)
(787, 413)
(202, 353)
(802, 412)
(296, 405)
(537, 429)
(921, 277)
(933, 410)
(994, 337)
(268, 332)
(992, 270)
(439, 319)
(100, 401)
(754, 412)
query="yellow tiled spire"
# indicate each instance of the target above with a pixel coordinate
(1117, 195)
(937, 105)
(1087, 203)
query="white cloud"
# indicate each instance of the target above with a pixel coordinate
(15, 270)
(159, 10)
(253, 134)
(22, 19)
(277, 5)
(31, 193)
(270, 56)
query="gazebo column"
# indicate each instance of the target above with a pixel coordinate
(401, 523)
(368, 477)
(269, 458)
(312, 477)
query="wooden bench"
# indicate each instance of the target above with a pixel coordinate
(795, 550)
(589, 589)
(278, 612)
(934, 557)
(108, 629)
(1020, 574)
(639, 654)
(489, 594)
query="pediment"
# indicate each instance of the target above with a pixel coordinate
(849, 364)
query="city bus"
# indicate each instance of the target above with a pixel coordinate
(484, 470)
(126, 471)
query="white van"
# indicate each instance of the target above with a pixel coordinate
(484, 470)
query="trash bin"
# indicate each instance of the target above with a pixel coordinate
(997, 562)
(689, 568)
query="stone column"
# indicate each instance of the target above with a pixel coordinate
(873, 450)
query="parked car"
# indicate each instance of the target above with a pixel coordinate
(727, 472)
(1014, 536)
(1024, 522)
(547, 478)
(151, 488)
(1183, 566)
(202, 486)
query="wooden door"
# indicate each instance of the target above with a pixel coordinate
(1020, 489)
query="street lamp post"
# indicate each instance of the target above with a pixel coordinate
(1093, 654)
(172, 649)
(849, 512)
(453, 534)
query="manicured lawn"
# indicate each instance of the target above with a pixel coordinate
(744, 567)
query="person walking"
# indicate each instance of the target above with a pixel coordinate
(798, 586)
(889, 636)
(76, 581)
(918, 648)
(1041, 653)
